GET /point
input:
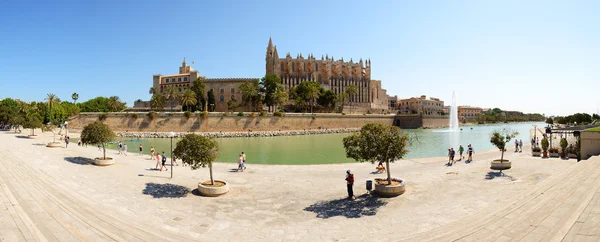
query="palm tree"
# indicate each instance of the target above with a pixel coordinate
(350, 91)
(342, 97)
(313, 94)
(75, 96)
(249, 91)
(171, 94)
(281, 97)
(188, 98)
(52, 100)
(152, 91)
(114, 103)
(157, 102)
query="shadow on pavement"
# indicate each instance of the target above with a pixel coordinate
(165, 190)
(491, 175)
(363, 205)
(80, 160)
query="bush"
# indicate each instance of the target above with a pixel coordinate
(187, 114)
(369, 112)
(203, 114)
(563, 145)
(252, 115)
(240, 114)
(169, 114)
(151, 115)
(278, 114)
(134, 116)
(102, 117)
(536, 149)
(262, 113)
(314, 117)
(553, 150)
(545, 144)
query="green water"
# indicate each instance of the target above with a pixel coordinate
(328, 148)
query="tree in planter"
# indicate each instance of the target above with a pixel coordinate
(545, 145)
(197, 151)
(33, 121)
(563, 147)
(97, 134)
(211, 100)
(377, 142)
(501, 138)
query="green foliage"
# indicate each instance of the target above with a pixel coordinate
(157, 102)
(277, 114)
(240, 114)
(262, 113)
(536, 149)
(550, 121)
(203, 114)
(199, 88)
(211, 100)
(187, 114)
(250, 94)
(306, 93)
(313, 117)
(151, 115)
(74, 96)
(545, 144)
(579, 118)
(33, 121)
(377, 142)
(102, 104)
(328, 100)
(197, 151)
(252, 115)
(501, 137)
(102, 116)
(171, 95)
(134, 116)
(593, 129)
(188, 99)
(231, 105)
(270, 84)
(97, 134)
(563, 145)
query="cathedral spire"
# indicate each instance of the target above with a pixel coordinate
(270, 43)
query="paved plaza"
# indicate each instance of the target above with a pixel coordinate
(57, 195)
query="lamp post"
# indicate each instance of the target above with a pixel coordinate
(171, 135)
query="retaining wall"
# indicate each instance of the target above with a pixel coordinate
(590, 143)
(216, 122)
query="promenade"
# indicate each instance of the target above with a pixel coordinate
(57, 195)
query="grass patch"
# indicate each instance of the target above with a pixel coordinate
(593, 129)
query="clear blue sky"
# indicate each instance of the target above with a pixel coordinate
(533, 56)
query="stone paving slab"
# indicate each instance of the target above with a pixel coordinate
(267, 202)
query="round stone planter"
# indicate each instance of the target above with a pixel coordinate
(536, 154)
(53, 145)
(212, 191)
(390, 190)
(554, 155)
(32, 136)
(99, 161)
(497, 165)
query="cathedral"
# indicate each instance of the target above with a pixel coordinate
(335, 75)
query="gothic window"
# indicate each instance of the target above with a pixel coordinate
(232, 90)
(221, 98)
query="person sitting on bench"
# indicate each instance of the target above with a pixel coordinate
(380, 168)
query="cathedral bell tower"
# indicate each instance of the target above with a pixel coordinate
(272, 59)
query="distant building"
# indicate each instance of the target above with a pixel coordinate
(393, 102)
(447, 110)
(469, 112)
(421, 105)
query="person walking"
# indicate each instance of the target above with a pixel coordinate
(164, 160)
(141, 149)
(66, 141)
(119, 147)
(516, 145)
(452, 153)
(460, 152)
(449, 161)
(152, 151)
(350, 184)
(244, 163)
(470, 151)
(125, 149)
(521, 145)
(157, 160)
(241, 163)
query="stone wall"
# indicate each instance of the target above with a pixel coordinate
(418, 121)
(590, 143)
(216, 122)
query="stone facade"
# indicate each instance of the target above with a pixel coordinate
(421, 105)
(335, 75)
(225, 89)
(469, 112)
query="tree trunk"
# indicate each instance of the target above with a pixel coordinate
(389, 176)
(502, 156)
(212, 181)
(104, 150)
